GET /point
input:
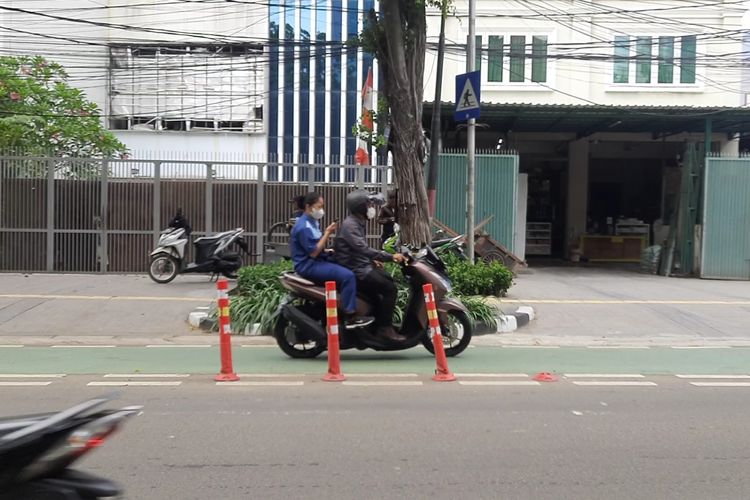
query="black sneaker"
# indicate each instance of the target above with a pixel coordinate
(358, 322)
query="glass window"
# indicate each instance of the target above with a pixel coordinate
(622, 60)
(495, 59)
(478, 53)
(687, 59)
(643, 59)
(335, 107)
(517, 58)
(273, 84)
(539, 59)
(666, 59)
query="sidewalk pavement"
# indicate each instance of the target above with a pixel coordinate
(620, 306)
(574, 307)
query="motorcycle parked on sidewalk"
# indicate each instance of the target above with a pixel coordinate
(37, 451)
(212, 253)
(300, 328)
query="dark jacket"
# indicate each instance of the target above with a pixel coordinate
(352, 250)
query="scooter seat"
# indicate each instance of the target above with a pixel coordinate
(299, 279)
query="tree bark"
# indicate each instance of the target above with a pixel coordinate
(404, 32)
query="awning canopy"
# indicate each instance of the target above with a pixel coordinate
(585, 120)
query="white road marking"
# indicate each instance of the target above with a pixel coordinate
(720, 384)
(10, 346)
(270, 383)
(381, 375)
(192, 346)
(82, 346)
(35, 375)
(700, 347)
(499, 382)
(492, 375)
(604, 375)
(129, 383)
(617, 347)
(714, 376)
(532, 346)
(256, 345)
(383, 383)
(618, 383)
(146, 375)
(23, 384)
(270, 375)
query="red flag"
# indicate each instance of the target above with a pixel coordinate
(363, 149)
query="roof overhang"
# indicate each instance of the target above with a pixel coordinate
(584, 120)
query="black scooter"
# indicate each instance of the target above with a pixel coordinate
(212, 253)
(36, 452)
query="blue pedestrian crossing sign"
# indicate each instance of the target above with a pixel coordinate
(467, 96)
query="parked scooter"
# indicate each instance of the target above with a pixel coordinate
(441, 246)
(300, 329)
(36, 453)
(212, 254)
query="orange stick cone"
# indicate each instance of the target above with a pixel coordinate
(225, 329)
(442, 373)
(334, 363)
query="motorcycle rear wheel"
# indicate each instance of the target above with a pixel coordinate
(456, 334)
(161, 263)
(286, 337)
(233, 275)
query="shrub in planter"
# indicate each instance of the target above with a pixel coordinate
(479, 279)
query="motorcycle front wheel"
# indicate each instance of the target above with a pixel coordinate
(286, 337)
(456, 334)
(163, 268)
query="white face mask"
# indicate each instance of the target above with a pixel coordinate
(318, 213)
(371, 212)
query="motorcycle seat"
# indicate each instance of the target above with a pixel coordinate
(299, 279)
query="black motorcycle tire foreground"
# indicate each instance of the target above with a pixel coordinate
(36, 452)
(300, 328)
(212, 253)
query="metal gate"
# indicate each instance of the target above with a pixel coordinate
(726, 213)
(496, 194)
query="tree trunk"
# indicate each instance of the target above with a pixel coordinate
(404, 29)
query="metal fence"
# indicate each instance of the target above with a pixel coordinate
(92, 215)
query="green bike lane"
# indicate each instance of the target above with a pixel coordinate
(270, 360)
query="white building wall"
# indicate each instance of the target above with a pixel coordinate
(588, 79)
(81, 47)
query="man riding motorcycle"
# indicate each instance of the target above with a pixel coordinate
(353, 252)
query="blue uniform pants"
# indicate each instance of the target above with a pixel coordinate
(320, 272)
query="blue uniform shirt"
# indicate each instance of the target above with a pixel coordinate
(306, 234)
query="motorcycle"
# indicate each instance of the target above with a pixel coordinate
(442, 246)
(212, 254)
(300, 327)
(37, 451)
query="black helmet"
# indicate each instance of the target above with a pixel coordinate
(358, 201)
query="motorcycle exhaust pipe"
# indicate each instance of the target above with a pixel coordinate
(308, 327)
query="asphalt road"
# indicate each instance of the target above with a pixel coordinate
(667, 440)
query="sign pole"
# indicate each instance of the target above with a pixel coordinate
(471, 137)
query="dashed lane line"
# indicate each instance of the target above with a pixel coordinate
(614, 383)
(146, 375)
(713, 376)
(133, 383)
(515, 383)
(24, 384)
(172, 346)
(32, 375)
(380, 383)
(267, 383)
(720, 384)
(604, 375)
(492, 375)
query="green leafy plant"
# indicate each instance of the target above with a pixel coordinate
(40, 113)
(480, 278)
(259, 295)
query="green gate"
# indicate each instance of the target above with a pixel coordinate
(496, 194)
(726, 229)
